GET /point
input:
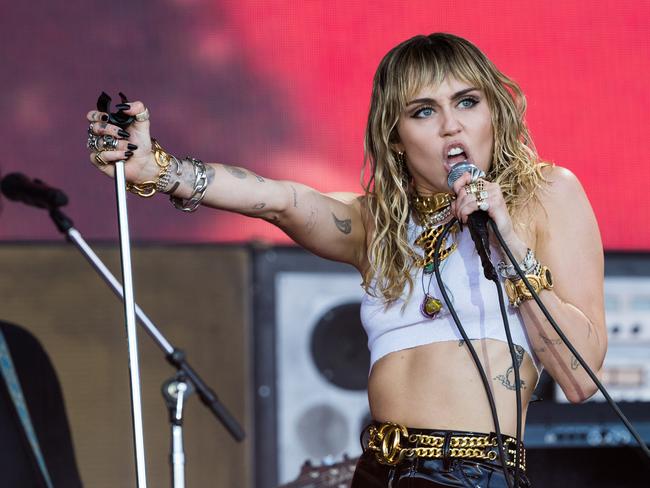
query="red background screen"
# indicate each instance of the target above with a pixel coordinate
(283, 87)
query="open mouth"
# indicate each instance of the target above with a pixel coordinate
(455, 153)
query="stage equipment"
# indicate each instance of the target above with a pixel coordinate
(312, 362)
(174, 356)
(626, 371)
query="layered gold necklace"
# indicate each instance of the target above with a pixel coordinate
(432, 211)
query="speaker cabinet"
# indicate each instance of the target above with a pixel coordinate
(312, 363)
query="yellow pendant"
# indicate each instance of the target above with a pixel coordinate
(430, 306)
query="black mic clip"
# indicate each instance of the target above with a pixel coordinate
(118, 118)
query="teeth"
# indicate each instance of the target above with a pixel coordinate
(454, 151)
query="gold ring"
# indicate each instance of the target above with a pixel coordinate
(142, 116)
(99, 159)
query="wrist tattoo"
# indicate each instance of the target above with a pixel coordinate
(209, 173)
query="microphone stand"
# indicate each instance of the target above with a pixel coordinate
(131, 332)
(175, 390)
(175, 356)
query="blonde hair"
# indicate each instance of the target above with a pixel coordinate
(413, 64)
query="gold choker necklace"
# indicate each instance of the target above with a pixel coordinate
(432, 203)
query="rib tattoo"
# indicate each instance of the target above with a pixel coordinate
(508, 379)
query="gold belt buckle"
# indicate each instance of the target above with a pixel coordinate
(390, 436)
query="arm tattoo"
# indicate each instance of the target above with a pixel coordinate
(549, 341)
(508, 379)
(236, 172)
(259, 178)
(259, 206)
(461, 342)
(574, 362)
(295, 197)
(210, 173)
(344, 225)
(311, 223)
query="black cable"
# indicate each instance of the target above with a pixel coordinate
(477, 361)
(566, 341)
(515, 366)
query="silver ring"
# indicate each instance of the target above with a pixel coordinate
(109, 143)
(484, 205)
(142, 116)
(92, 143)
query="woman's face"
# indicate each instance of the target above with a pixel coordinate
(442, 126)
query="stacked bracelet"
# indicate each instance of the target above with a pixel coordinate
(198, 191)
(538, 276)
(528, 265)
(163, 160)
(518, 292)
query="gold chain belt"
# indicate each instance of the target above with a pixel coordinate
(392, 444)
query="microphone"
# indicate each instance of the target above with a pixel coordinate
(476, 221)
(17, 187)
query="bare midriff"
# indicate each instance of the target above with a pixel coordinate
(437, 386)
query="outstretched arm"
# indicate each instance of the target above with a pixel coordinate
(329, 225)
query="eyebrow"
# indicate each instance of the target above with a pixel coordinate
(431, 100)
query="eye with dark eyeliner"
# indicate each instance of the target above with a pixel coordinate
(422, 112)
(468, 102)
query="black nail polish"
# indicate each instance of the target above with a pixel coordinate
(104, 118)
(128, 154)
(123, 133)
(132, 147)
(122, 106)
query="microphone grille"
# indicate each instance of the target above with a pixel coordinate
(460, 169)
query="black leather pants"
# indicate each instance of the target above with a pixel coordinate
(431, 473)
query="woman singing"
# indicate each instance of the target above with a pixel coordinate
(437, 101)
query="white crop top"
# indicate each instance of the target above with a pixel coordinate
(473, 296)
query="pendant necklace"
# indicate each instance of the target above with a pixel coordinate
(432, 212)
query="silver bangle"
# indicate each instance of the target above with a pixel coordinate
(198, 192)
(527, 265)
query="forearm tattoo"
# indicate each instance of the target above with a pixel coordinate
(311, 222)
(508, 379)
(574, 362)
(344, 225)
(236, 172)
(295, 196)
(259, 206)
(549, 341)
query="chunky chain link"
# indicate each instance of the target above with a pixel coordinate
(386, 442)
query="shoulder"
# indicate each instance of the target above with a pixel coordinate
(558, 182)
(562, 204)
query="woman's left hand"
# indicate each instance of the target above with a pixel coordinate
(467, 203)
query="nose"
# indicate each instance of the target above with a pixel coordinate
(450, 123)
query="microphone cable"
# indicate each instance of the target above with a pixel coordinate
(477, 361)
(566, 341)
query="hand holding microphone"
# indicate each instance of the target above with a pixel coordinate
(472, 202)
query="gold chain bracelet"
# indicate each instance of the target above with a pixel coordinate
(164, 160)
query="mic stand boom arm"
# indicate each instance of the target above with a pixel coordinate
(174, 356)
